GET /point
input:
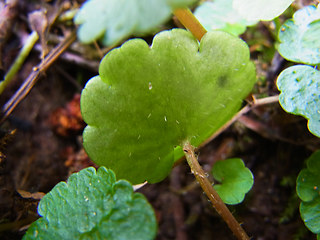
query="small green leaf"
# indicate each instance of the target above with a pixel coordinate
(310, 213)
(92, 205)
(308, 184)
(115, 20)
(308, 190)
(300, 88)
(221, 15)
(236, 180)
(147, 101)
(299, 37)
(265, 10)
(308, 181)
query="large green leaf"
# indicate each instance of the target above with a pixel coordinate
(220, 14)
(255, 10)
(114, 20)
(300, 37)
(300, 88)
(147, 101)
(92, 205)
(236, 180)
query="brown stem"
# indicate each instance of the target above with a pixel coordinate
(190, 22)
(216, 201)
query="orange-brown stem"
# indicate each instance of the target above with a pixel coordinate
(190, 22)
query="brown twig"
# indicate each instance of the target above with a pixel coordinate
(34, 76)
(77, 59)
(216, 201)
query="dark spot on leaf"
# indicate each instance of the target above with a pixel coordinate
(222, 81)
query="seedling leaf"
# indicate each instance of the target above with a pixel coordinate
(114, 20)
(308, 190)
(221, 15)
(147, 101)
(300, 87)
(308, 181)
(236, 180)
(261, 9)
(299, 37)
(310, 213)
(93, 205)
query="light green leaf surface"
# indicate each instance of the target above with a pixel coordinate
(236, 180)
(92, 205)
(221, 15)
(265, 10)
(300, 94)
(300, 37)
(147, 101)
(308, 181)
(115, 20)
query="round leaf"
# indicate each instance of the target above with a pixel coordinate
(220, 14)
(236, 180)
(147, 101)
(308, 181)
(300, 88)
(92, 205)
(115, 20)
(308, 189)
(261, 9)
(310, 213)
(299, 37)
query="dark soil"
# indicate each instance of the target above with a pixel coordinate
(46, 148)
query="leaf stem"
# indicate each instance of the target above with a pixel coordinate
(216, 201)
(24, 52)
(190, 22)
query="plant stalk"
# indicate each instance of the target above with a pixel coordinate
(24, 53)
(190, 22)
(216, 201)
